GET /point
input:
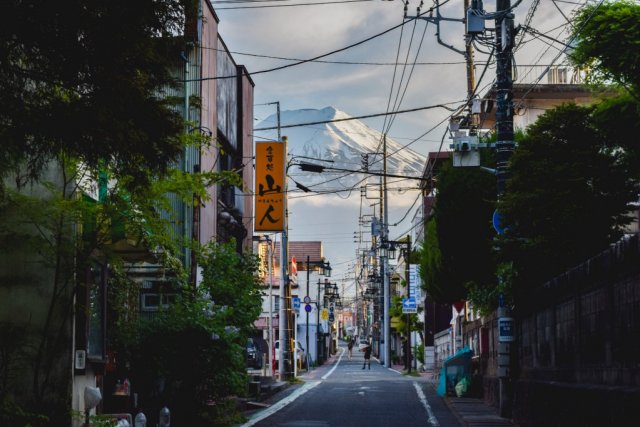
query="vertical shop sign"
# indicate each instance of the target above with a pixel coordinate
(269, 195)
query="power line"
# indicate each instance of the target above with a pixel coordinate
(430, 107)
(283, 58)
(291, 5)
(406, 86)
(324, 55)
(393, 77)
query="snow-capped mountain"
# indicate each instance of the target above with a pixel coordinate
(328, 136)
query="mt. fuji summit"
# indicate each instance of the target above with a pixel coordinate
(332, 138)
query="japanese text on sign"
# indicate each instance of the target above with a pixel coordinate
(269, 197)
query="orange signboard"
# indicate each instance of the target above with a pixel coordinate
(269, 194)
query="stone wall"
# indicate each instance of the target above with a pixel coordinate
(578, 343)
(576, 359)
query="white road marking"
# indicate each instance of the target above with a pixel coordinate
(281, 404)
(325, 376)
(432, 418)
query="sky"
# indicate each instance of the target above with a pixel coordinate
(361, 80)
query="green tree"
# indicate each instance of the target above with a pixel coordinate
(196, 347)
(607, 38)
(52, 233)
(568, 196)
(89, 80)
(457, 247)
(431, 260)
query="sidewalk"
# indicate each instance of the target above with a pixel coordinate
(473, 412)
(470, 411)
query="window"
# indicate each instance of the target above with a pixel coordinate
(155, 302)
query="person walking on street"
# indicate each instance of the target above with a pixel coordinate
(367, 356)
(350, 347)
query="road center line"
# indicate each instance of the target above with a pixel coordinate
(432, 418)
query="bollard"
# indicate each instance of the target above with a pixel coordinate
(164, 419)
(141, 420)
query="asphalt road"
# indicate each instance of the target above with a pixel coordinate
(343, 394)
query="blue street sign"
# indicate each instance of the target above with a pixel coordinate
(296, 304)
(307, 308)
(409, 306)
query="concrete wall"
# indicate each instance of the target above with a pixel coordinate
(246, 139)
(26, 291)
(208, 117)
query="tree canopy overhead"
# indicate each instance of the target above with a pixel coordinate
(456, 251)
(568, 196)
(607, 43)
(86, 79)
(607, 38)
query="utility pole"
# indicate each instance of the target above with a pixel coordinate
(504, 149)
(318, 325)
(471, 75)
(307, 324)
(284, 367)
(282, 319)
(504, 95)
(385, 262)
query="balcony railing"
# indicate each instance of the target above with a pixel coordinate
(549, 75)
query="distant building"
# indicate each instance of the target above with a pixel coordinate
(271, 303)
(537, 89)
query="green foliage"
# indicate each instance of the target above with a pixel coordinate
(617, 119)
(12, 341)
(12, 414)
(72, 85)
(456, 250)
(485, 299)
(12, 367)
(95, 420)
(607, 45)
(420, 353)
(395, 311)
(607, 36)
(196, 347)
(568, 196)
(431, 259)
(42, 224)
(62, 230)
